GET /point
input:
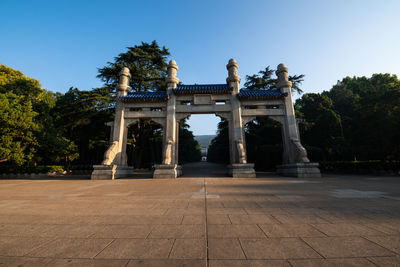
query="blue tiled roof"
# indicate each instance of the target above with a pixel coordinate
(203, 89)
(145, 97)
(260, 94)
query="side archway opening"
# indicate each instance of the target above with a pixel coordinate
(144, 144)
(264, 144)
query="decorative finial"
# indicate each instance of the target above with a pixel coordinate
(283, 80)
(124, 77)
(172, 68)
(232, 68)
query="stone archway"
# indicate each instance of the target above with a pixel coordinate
(225, 100)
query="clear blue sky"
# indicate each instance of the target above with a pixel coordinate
(62, 43)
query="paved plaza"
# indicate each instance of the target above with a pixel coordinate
(201, 220)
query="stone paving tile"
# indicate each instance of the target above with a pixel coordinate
(290, 230)
(187, 211)
(178, 231)
(298, 218)
(389, 242)
(386, 261)
(19, 246)
(248, 263)
(385, 227)
(340, 216)
(24, 230)
(252, 219)
(72, 231)
(225, 211)
(353, 262)
(88, 262)
(265, 210)
(339, 247)
(188, 249)
(23, 261)
(123, 231)
(225, 249)
(234, 231)
(277, 248)
(194, 219)
(346, 229)
(71, 248)
(218, 219)
(167, 262)
(137, 249)
(240, 204)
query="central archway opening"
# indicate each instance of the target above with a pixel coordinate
(204, 128)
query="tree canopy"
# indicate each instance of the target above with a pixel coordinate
(357, 119)
(147, 64)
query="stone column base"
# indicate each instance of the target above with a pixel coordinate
(123, 171)
(103, 172)
(300, 170)
(238, 170)
(110, 172)
(162, 171)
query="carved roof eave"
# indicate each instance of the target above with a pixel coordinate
(143, 100)
(245, 94)
(260, 97)
(193, 89)
(148, 97)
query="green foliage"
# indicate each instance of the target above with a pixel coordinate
(29, 133)
(264, 143)
(147, 64)
(264, 80)
(321, 131)
(189, 149)
(81, 116)
(144, 146)
(14, 169)
(218, 150)
(17, 127)
(15, 81)
(359, 118)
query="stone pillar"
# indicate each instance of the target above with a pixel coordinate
(168, 168)
(116, 167)
(119, 120)
(295, 160)
(239, 167)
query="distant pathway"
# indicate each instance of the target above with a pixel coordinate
(204, 169)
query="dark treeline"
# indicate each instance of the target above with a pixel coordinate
(39, 127)
(358, 119)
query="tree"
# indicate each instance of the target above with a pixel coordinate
(40, 142)
(189, 149)
(82, 116)
(321, 132)
(218, 150)
(17, 127)
(357, 119)
(264, 81)
(369, 108)
(147, 64)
